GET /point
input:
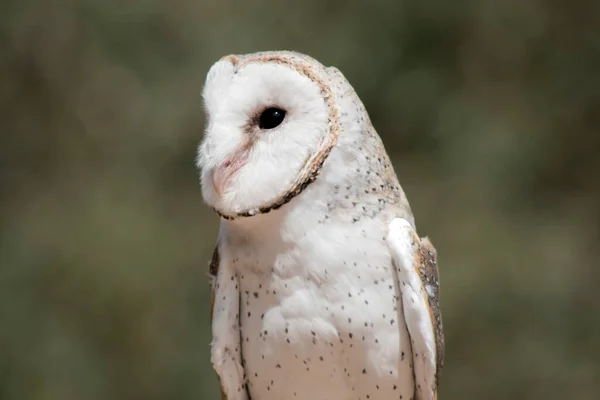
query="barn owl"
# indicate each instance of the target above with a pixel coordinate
(321, 287)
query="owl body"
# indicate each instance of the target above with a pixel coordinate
(322, 289)
(320, 311)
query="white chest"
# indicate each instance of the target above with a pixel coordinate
(323, 320)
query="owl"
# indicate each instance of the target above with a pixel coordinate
(321, 287)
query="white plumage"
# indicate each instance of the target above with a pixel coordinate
(322, 288)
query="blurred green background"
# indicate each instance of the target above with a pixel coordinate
(490, 110)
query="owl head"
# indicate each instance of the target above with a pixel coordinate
(274, 122)
(271, 121)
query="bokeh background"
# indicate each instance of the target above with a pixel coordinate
(490, 110)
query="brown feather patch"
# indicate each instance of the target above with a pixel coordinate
(213, 270)
(426, 267)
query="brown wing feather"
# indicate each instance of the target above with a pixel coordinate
(214, 270)
(426, 267)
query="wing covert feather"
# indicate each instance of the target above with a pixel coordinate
(415, 262)
(226, 339)
(213, 270)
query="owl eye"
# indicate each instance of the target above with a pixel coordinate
(271, 117)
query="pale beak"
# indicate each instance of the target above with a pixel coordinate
(223, 173)
(220, 177)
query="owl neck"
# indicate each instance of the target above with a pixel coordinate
(321, 207)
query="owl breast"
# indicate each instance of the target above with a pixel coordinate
(322, 318)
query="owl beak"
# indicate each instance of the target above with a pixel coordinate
(220, 177)
(223, 173)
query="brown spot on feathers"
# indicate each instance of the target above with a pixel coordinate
(213, 270)
(232, 58)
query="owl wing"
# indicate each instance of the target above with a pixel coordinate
(226, 338)
(418, 280)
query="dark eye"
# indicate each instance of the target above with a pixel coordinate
(271, 117)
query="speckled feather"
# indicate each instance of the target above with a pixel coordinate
(308, 279)
(426, 266)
